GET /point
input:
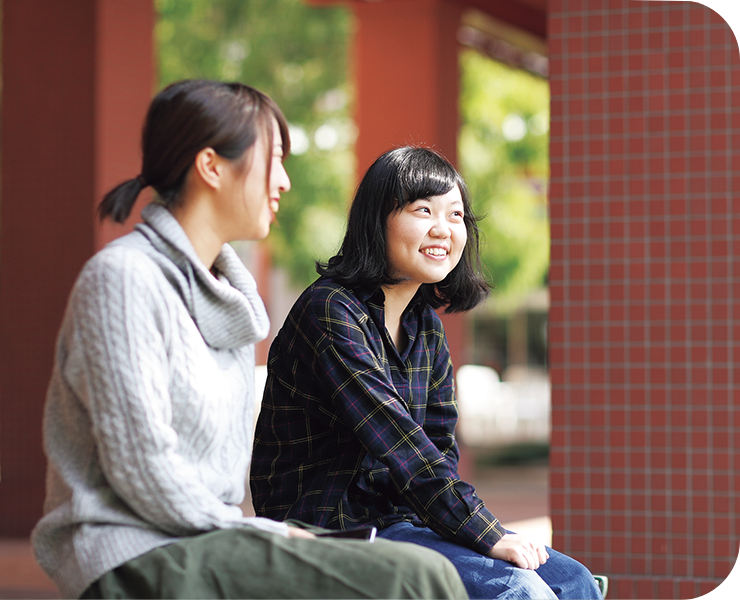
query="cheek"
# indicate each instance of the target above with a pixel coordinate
(460, 243)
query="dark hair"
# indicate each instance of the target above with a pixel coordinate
(184, 118)
(396, 178)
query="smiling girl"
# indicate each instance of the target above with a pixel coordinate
(358, 417)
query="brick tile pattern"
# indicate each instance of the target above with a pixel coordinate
(645, 288)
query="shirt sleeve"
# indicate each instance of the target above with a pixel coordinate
(116, 364)
(423, 469)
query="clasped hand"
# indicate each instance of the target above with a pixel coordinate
(523, 551)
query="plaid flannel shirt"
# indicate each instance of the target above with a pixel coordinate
(351, 432)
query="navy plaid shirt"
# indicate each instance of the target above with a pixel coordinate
(351, 432)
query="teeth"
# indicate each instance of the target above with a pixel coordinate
(274, 206)
(435, 251)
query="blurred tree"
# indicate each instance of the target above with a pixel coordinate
(503, 149)
(297, 54)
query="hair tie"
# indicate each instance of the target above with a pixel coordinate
(140, 179)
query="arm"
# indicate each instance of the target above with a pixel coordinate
(440, 422)
(117, 365)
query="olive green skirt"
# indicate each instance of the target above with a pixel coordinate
(250, 563)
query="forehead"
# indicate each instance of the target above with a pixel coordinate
(453, 197)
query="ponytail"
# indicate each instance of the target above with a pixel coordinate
(117, 203)
(184, 118)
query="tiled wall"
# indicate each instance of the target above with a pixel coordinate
(645, 283)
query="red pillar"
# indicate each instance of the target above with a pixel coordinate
(77, 78)
(406, 61)
(645, 313)
(406, 73)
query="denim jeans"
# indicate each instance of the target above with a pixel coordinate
(560, 577)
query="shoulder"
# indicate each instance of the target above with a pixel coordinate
(324, 313)
(120, 273)
(116, 264)
(326, 297)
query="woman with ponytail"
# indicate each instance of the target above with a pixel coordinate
(149, 414)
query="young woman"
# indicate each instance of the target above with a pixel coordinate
(149, 414)
(358, 417)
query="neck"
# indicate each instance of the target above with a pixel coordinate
(397, 298)
(198, 225)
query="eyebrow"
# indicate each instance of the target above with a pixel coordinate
(428, 199)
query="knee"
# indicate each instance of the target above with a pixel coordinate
(568, 578)
(527, 584)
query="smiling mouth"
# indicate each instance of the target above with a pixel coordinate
(437, 252)
(274, 205)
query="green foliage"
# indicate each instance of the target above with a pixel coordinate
(503, 149)
(297, 54)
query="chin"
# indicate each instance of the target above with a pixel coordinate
(256, 233)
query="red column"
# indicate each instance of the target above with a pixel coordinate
(406, 61)
(644, 320)
(406, 73)
(77, 78)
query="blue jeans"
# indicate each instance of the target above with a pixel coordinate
(560, 577)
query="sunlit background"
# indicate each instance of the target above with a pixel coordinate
(299, 55)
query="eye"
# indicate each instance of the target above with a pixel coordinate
(419, 206)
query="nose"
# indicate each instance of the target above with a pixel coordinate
(283, 181)
(440, 228)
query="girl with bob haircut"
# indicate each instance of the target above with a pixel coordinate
(359, 412)
(149, 414)
(396, 179)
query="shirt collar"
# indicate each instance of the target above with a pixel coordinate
(375, 294)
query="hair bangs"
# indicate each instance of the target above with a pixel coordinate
(423, 175)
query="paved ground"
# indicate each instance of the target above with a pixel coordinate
(516, 495)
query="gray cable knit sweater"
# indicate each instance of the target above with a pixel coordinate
(150, 409)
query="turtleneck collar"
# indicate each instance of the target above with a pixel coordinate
(227, 310)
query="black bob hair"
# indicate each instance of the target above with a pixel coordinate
(396, 178)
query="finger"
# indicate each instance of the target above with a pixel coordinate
(527, 559)
(530, 551)
(520, 560)
(296, 532)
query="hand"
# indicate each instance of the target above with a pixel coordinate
(524, 552)
(297, 532)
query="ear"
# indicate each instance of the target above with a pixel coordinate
(209, 167)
